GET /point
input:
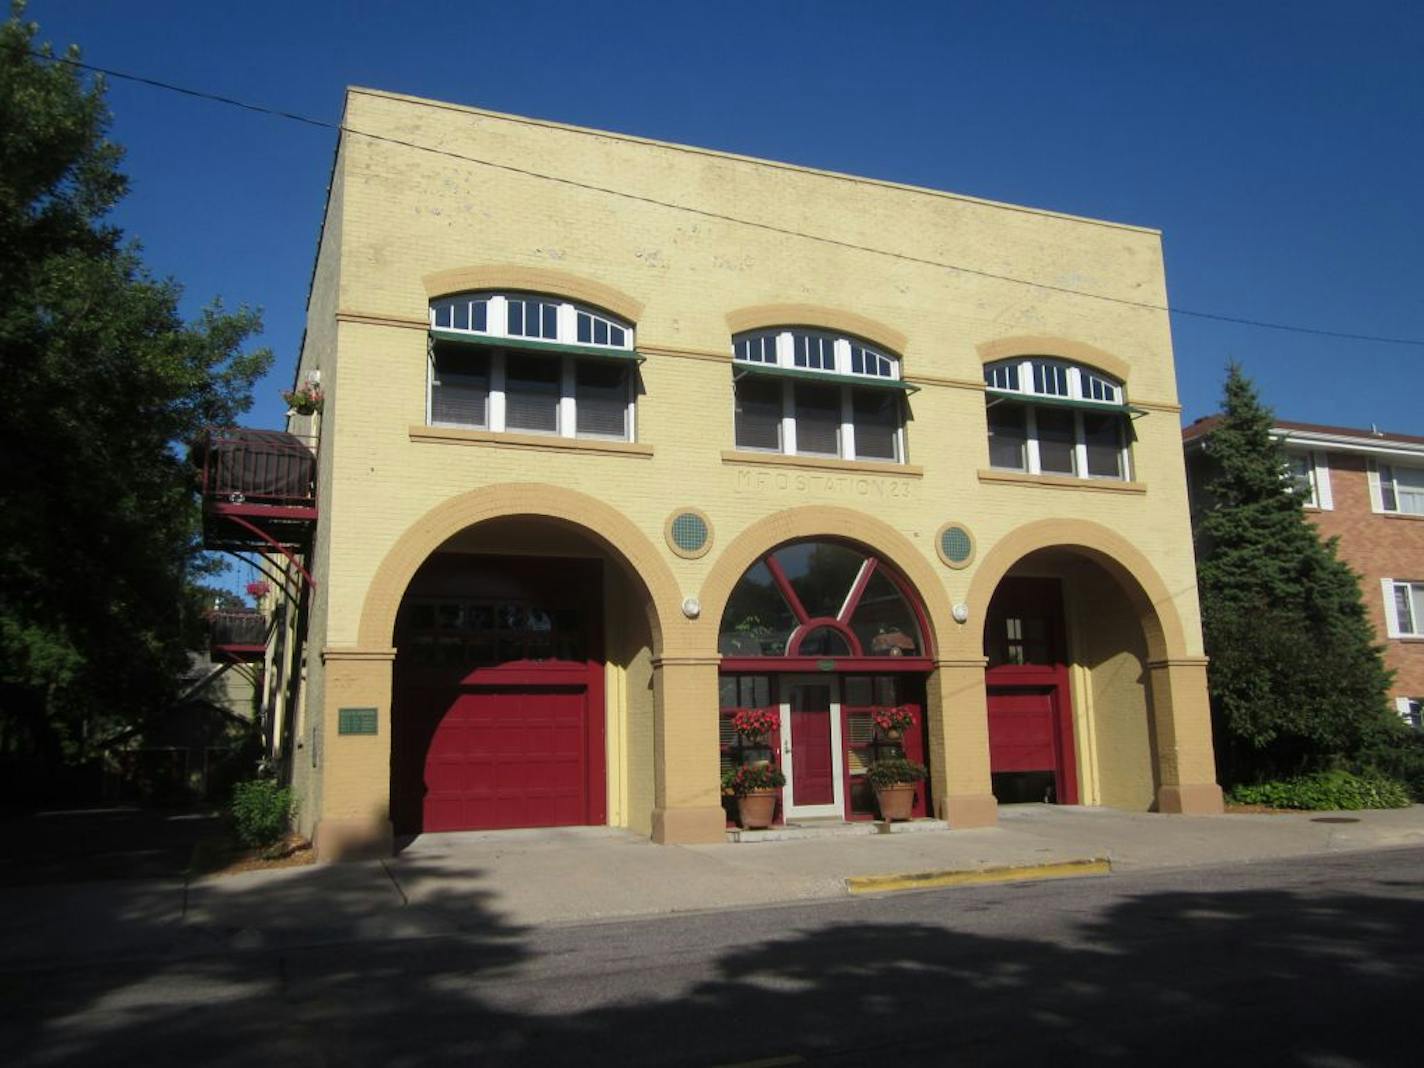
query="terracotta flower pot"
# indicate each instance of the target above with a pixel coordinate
(895, 801)
(755, 809)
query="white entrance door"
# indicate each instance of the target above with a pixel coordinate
(811, 753)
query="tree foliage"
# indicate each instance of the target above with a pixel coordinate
(1297, 681)
(102, 379)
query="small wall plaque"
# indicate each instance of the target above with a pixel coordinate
(356, 721)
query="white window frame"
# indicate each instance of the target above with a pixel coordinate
(1317, 475)
(776, 347)
(497, 326)
(1384, 481)
(1010, 380)
(1411, 710)
(1394, 625)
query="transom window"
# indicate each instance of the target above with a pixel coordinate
(814, 393)
(532, 364)
(821, 599)
(1401, 489)
(1049, 416)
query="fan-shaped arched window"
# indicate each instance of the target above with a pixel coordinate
(531, 364)
(820, 599)
(1049, 416)
(814, 393)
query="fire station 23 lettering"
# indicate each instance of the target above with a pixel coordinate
(823, 485)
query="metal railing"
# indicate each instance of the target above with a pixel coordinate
(268, 467)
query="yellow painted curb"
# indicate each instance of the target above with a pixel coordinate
(879, 884)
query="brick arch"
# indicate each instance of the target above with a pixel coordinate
(533, 280)
(825, 521)
(602, 524)
(1009, 348)
(842, 322)
(1144, 588)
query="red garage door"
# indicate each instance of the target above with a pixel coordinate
(509, 758)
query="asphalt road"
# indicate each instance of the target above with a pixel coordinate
(1314, 962)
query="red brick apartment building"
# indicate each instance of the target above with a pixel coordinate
(1367, 488)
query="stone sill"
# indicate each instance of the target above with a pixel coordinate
(449, 435)
(859, 467)
(1102, 485)
(1406, 516)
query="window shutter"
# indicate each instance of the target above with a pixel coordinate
(1391, 609)
(1376, 498)
(1323, 496)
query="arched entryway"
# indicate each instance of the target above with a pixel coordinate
(521, 691)
(826, 634)
(1067, 686)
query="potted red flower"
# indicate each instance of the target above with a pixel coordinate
(893, 722)
(754, 786)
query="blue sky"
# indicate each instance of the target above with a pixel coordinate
(1278, 146)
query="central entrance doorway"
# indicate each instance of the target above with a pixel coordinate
(811, 747)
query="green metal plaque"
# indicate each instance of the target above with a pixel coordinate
(356, 721)
(825, 665)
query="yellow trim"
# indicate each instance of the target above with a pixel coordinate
(1009, 348)
(1154, 603)
(1071, 482)
(337, 652)
(768, 316)
(880, 884)
(528, 279)
(860, 467)
(450, 435)
(403, 322)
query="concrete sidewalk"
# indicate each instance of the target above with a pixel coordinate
(496, 884)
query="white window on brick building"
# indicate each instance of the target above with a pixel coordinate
(1397, 489)
(1411, 710)
(531, 364)
(815, 393)
(1404, 608)
(1308, 474)
(1051, 417)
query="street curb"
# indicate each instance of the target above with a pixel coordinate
(1067, 869)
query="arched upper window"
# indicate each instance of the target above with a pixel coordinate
(820, 599)
(533, 364)
(1052, 416)
(816, 393)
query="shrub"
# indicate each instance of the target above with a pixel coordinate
(261, 810)
(894, 771)
(742, 780)
(1398, 754)
(1326, 790)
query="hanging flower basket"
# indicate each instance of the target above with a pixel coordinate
(755, 725)
(259, 589)
(893, 722)
(305, 400)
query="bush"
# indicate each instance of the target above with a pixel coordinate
(1326, 790)
(261, 810)
(894, 771)
(1398, 754)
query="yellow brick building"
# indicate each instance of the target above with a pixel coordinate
(622, 437)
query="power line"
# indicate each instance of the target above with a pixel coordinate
(769, 227)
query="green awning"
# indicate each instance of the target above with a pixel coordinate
(553, 348)
(766, 370)
(999, 396)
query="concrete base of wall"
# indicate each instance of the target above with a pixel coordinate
(1195, 799)
(969, 810)
(353, 839)
(689, 826)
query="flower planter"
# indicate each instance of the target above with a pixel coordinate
(895, 802)
(756, 809)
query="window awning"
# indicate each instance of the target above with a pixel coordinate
(997, 396)
(766, 370)
(553, 348)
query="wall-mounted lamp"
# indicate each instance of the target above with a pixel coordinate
(691, 607)
(960, 612)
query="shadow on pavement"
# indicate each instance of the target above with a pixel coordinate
(99, 843)
(1311, 976)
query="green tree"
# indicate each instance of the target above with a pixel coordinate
(101, 381)
(1297, 681)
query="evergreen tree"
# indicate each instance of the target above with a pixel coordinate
(1297, 681)
(101, 381)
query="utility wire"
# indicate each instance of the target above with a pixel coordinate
(769, 227)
